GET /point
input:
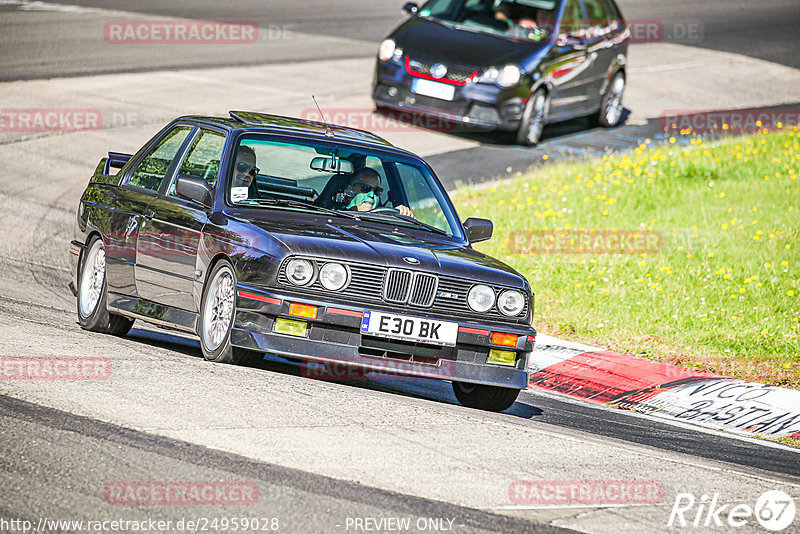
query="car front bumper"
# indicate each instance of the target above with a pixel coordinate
(335, 337)
(478, 105)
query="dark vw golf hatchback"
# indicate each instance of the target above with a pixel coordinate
(506, 64)
(266, 234)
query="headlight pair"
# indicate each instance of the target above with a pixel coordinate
(481, 298)
(333, 276)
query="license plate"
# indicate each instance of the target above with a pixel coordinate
(409, 328)
(442, 91)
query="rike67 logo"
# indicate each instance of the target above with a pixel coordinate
(774, 510)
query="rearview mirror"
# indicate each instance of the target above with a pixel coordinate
(411, 8)
(334, 165)
(193, 188)
(478, 229)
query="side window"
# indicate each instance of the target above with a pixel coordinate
(598, 17)
(421, 198)
(203, 158)
(154, 166)
(572, 23)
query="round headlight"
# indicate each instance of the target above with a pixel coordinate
(511, 302)
(300, 272)
(509, 76)
(386, 50)
(333, 276)
(480, 298)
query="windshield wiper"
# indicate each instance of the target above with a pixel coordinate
(403, 218)
(296, 204)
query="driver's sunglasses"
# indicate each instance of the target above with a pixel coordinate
(366, 188)
(245, 168)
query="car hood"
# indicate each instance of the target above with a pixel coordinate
(420, 38)
(377, 244)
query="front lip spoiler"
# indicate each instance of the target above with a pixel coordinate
(324, 352)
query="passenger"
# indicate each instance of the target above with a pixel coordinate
(243, 185)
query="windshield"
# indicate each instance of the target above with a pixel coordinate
(532, 20)
(321, 176)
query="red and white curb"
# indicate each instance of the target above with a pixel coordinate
(663, 390)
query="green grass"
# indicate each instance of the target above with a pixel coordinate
(721, 293)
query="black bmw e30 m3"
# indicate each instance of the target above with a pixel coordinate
(267, 234)
(506, 64)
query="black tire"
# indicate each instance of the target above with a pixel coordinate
(216, 342)
(534, 119)
(93, 314)
(489, 398)
(610, 113)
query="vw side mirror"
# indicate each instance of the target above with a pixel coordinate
(411, 8)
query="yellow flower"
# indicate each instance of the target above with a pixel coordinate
(790, 293)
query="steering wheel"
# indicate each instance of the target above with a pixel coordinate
(386, 209)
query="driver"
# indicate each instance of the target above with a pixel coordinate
(514, 14)
(364, 189)
(243, 185)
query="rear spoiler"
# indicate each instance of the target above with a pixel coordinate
(116, 160)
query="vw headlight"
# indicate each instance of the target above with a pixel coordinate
(480, 298)
(300, 272)
(386, 50)
(333, 276)
(508, 76)
(511, 302)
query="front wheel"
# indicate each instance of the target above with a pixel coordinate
(610, 112)
(533, 119)
(217, 311)
(490, 398)
(92, 294)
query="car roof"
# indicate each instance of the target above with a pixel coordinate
(264, 122)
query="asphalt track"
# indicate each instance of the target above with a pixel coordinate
(764, 30)
(321, 452)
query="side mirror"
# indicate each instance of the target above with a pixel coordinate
(194, 188)
(478, 229)
(411, 8)
(565, 39)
